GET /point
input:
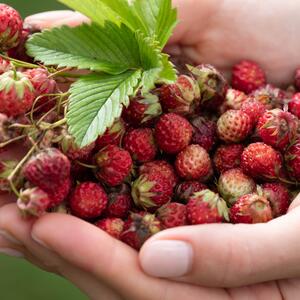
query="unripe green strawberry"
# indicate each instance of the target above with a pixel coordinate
(16, 93)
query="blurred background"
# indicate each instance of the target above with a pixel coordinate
(18, 279)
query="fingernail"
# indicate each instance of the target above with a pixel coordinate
(40, 242)
(11, 252)
(49, 15)
(9, 237)
(167, 258)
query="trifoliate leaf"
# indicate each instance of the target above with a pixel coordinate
(109, 48)
(96, 101)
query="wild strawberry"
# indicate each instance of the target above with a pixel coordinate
(228, 157)
(204, 133)
(233, 100)
(68, 146)
(138, 228)
(292, 160)
(247, 76)
(119, 202)
(16, 92)
(234, 126)
(213, 85)
(11, 25)
(261, 161)
(233, 184)
(294, 104)
(33, 202)
(297, 79)
(172, 215)
(19, 52)
(48, 169)
(4, 65)
(88, 200)
(251, 209)
(140, 144)
(173, 133)
(112, 136)
(254, 109)
(278, 196)
(277, 128)
(114, 165)
(193, 163)
(270, 96)
(206, 207)
(43, 85)
(152, 190)
(6, 167)
(61, 193)
(142, 109)
(181, 96)
(162, 167)
(186, 189)
(112, 226)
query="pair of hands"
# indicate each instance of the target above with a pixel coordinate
(221, 261)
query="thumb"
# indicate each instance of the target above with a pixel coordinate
(226, 255)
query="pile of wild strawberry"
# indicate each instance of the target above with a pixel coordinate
(193, 152)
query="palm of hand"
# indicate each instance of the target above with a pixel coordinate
(224, 27)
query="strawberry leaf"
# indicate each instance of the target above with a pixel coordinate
(96, 101)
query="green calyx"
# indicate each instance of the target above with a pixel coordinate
(153, 106)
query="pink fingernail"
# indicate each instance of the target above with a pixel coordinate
(167, 258)
(11, 252)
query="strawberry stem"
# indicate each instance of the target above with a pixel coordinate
(86, 165)
(19, 63)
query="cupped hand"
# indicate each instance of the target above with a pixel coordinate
(215, 261)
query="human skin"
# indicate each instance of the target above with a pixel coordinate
(219, 261)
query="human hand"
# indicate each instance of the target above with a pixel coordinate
(97, 280)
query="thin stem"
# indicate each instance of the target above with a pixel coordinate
(14, 189)
(86, 165)
(20, 62)
(68, 75)
(2, 145)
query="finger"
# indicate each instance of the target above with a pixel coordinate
(111, 261)
(16, 240)
(226, 255)
(51, 19)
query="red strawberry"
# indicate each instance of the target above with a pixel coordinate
(173, 133)
(119, 202)
(43, 85)
(186, 189)
(233, 100)
(251, 209)
(19, 52)
(228, 157)
(6, 167)
(88, 200)
(114, 165)
(204, 132)
(112, 136)
(140, 144)
(234, 184)
(294, 105)
(262, 162)
(254, 109)
(142, 110)
(152, 190)
(138, 228)
(172, 215)
(33, 202)
(48, 169)
(181, 96)
(206, 207)
(61, 193)
(4, 65)
(277, 128)
(297, 79)
(213, 85)
(292, 160)
(11, 25)
(112, 226)
(234, 126)
(247, 76)
(162, 167)
(193, 163)
(16, 92)
(68, 146)
(279, 198)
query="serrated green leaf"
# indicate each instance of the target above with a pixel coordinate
(107, 48)
(96, 101)
(168, 74)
